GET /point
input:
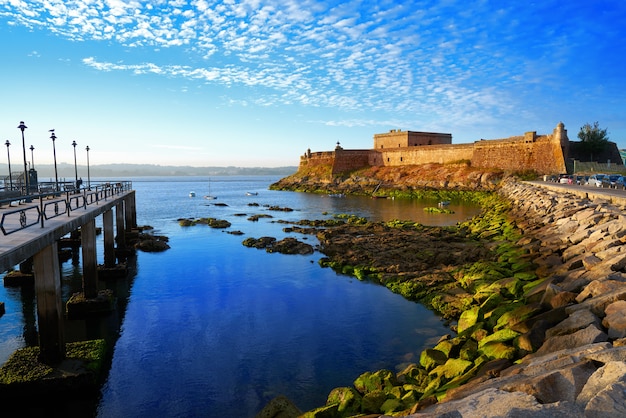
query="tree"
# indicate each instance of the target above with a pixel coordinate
(593, 139)
(593, 134)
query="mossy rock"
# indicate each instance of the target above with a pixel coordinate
(411, 397)
(379, 380)
(462, 379)
(468, 319)
(452, 368)
(348, 400)
(372, 401)
(493, 301)
(413, 374)
(492, 317)
(327, 411)
(517, 315)
(525, 276)
(451, 347)
(502, 336)
(509, 287)
(431, 358)
(469, 350)
(497, 350)
(392, 405)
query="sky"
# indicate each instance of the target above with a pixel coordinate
(256, 83)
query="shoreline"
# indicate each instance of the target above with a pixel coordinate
(542, 298)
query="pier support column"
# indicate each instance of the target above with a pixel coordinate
(119, 224)
(90, 262)
(131, 212)
(49, 305)
(109, 239)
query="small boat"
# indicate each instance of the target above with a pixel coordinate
(192, 194)
(443, 203)
(252, 193)
(375, 196)
(336, 195)
(209, 196)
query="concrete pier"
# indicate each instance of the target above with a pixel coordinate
(32, 227)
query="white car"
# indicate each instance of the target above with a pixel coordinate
(596, 180)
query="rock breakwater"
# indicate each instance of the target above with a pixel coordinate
(578, 368)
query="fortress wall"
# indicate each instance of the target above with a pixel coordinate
(399, 139)
(544, 155)
(348, 160)
(427, 154)
(313, 159)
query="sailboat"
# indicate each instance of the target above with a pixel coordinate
(209, 196)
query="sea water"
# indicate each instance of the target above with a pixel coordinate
(211, 328)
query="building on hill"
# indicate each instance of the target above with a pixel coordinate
(545, 154)
(397, 138)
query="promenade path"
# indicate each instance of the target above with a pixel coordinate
(616, 196)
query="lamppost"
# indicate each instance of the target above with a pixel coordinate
(9, 158)
(32, 156)
(75, 169)
(56, 175)
(22, 127)
(88, 176)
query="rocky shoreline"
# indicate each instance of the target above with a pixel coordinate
(543, 336)
(579, 369)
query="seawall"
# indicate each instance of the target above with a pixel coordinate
(579, 368)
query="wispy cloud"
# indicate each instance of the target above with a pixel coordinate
(416, 58)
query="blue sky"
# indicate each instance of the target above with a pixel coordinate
(256, 83)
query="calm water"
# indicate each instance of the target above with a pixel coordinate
(210, 328)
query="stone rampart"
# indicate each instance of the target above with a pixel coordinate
(427, 154)
(349, 160)
(543, 154)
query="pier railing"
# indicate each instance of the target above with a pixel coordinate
(36, 209)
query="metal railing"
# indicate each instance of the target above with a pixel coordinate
(53, 204)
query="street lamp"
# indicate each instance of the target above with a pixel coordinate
(32, 156)
(22, 127)
(75, 169)
(88, 176)
(9, 158)
(56, 175)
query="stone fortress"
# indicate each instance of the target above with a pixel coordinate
(545, 154)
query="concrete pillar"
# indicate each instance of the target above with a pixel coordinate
(119, 224)
(131, 212)
(109, 239)
(49, 305)
(90, 262)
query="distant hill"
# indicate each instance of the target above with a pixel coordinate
(122, 171)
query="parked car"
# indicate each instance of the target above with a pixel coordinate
(613, 181)
(581, 180)
(596, 180)
(566, 179)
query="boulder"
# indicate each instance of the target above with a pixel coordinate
(576, 321)
(608, 403)
(615, 319)
(588, 335)
(611, 372)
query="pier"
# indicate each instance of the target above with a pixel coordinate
(30, 229)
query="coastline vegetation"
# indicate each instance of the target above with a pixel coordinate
(482, 299)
